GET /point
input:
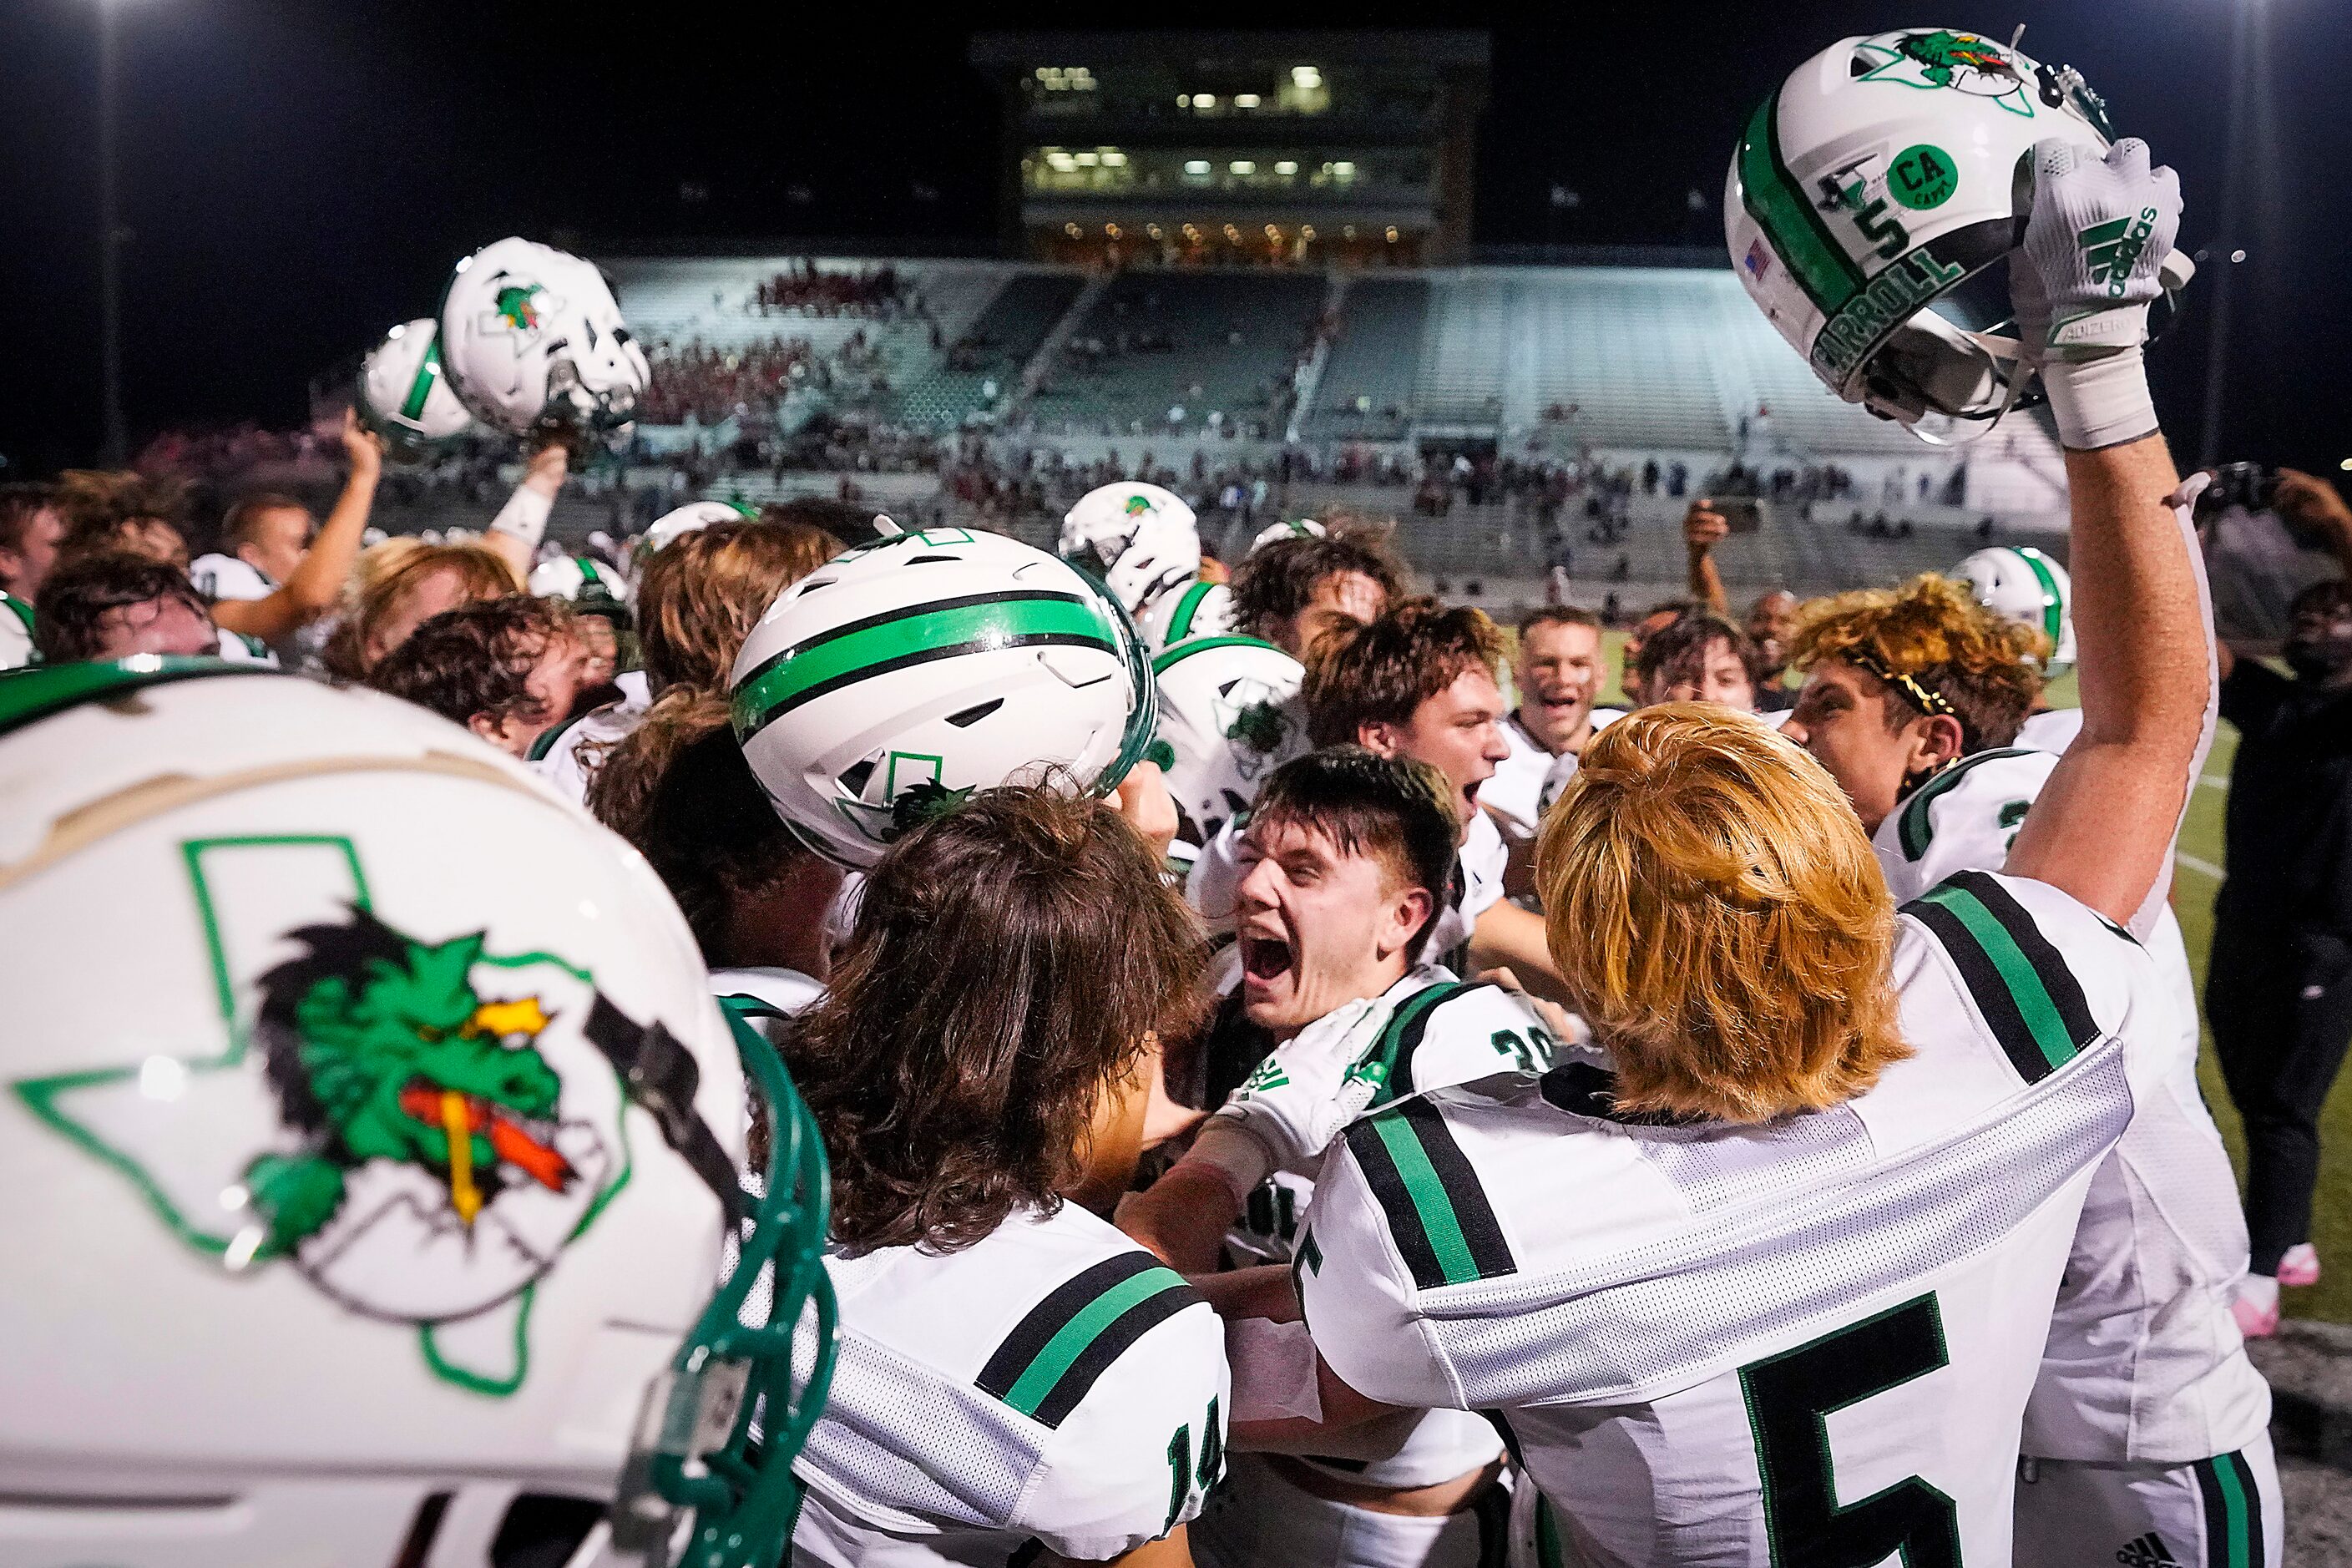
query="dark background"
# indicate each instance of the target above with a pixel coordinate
(300, 176)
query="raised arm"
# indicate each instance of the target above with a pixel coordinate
(1704, 528)
(318, 582)
(521, 524)
(2103, 827)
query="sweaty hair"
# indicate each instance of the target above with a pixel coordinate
(97, 503)
(699, 596)
(78, 595)
(387, 575)
(1678, 649)
(982, 1009)
(474, 660)
(19, 504)
(1557, 615)
(1379, 672)
(1932, 633)
(1716, 912)
(1275, 583)
(236, 527)
(678, 788)
(1399, 813)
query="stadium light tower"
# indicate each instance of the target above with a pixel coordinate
(116, 444)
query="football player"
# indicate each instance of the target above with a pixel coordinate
(1557, 673)
(1344, 866)
(1145, 545)
(2146, 1400)
(1774, 1279)
(1014, 1373)
(696, 600)
(1294, 591)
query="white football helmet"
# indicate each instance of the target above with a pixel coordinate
(405, 395)
(1202, 610)
(586, 583)
(15, 633)
(1293, 528)
(373, 1120)
(2021, 583)
(890, 683)
(1229, 716)
(1140, 539)
(1869, 191)
(534, 341)
(694, 515)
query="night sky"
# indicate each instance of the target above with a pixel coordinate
(300, 177)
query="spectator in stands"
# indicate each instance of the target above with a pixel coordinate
(2279, 989)
(30, 528)
(506, 668)
(1697, 656)
(401, 584)
(1295, 593)
(112, 604)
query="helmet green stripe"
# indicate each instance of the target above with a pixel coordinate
(1788, 216)
(420, 386)
(1179, 624)
(2053, 605)
(1201, 645)
(845, 657)
(37, 691)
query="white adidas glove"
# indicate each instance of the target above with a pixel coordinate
(1299, 1099)
(2098, 232)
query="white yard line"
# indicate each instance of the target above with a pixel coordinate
(2214, 780)
(2204, 867)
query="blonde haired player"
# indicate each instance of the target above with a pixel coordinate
(1767, 1279)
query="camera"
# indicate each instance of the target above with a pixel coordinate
(2250, 485)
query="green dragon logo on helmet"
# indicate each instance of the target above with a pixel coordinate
(1138, 504)
(418, 1129)
(1961, 62)
(518, 306)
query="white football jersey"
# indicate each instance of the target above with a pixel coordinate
(1199, 609)
(2052, 731)
(1726, 1344)
(1050, 1383)
(1444, 1031)
(238, 648)
(1515, 791)
(2145, 1362)
(16, 632)
(217, 577)
(567, 754)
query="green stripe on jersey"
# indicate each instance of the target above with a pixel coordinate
(2021, 984)
(1176, 656)
(1395, 1048)
(1788, 216)
(2233, 1512)
(1438, 1215)
(862, 649)
(1914, 832)
(1061, 1345)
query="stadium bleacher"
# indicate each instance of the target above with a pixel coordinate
(1367, 390)
(996, 347)
(1150, 339)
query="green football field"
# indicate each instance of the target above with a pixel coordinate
(2196, 881)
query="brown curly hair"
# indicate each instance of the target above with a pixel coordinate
(982, 1009)
(1381, 671)
(1932, 630)
(1277, 581)
(101, 506)
(699, 595)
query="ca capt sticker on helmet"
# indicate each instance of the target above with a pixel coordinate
(417, 1123)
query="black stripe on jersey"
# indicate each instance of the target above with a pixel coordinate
(1402, 1038)
(2002, 1006)
(1069, 1301)
(1445, 1228)
(2233, 1512)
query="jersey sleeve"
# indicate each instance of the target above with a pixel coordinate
(2050, 977)
(1356, 1285)
(1963, 820)
(1214, 882)
(1134, 1387)
(1454, 1032)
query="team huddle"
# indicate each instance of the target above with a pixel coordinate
(969, 1054)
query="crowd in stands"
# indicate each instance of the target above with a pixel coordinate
(805, 288)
